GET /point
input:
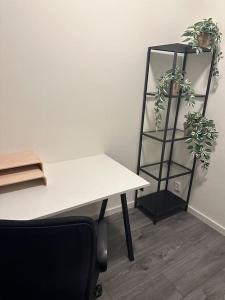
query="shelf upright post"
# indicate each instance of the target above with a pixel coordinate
(166, 123)
(203, 113)
(143, 115)
(209, 83)
(175, 122)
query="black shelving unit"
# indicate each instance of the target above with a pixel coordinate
(163, 203)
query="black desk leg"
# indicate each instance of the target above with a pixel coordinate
(127, 227)
(102, 211)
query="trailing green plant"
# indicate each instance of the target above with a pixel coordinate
(170, 77)
(202, 137)
(212, 39)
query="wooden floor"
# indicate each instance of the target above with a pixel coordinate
(179, 258)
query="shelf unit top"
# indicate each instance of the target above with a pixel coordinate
(177, 47)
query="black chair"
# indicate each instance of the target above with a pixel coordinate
(52, 258)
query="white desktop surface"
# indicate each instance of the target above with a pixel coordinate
(70, 184)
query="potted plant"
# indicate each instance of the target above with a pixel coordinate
(205, 34)
(179, 84)
(202, 137)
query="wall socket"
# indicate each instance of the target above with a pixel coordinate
(177, 186)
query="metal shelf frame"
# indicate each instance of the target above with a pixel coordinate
(176, 49)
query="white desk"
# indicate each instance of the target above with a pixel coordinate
(72, 184)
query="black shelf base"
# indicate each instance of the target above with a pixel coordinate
(161, 205)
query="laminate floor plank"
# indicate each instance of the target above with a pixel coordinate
(188, 276)
(177, 258)
(104, 295)
(213, 289)
(158, 288)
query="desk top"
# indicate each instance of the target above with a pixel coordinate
(71, 184)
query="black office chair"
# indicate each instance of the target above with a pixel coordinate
(52, 258)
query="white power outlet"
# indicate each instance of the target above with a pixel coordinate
(177, 186)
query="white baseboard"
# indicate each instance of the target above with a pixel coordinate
(112, 210)
(207, 220)
(116, 209)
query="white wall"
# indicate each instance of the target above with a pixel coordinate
(208, 196)
(72, 75)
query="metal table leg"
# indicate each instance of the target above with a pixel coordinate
(102, 211)
(127, 227)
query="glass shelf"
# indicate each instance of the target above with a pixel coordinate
(175, 96)
(177, 47)
(159, 135)
(176, 170)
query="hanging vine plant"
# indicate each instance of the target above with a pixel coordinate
(205, 34)
(202, 137)
(179, 83)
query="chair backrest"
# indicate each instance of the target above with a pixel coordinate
(47, 259)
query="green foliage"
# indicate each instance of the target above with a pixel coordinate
(202, 137)
(207, 26)
(170, 76)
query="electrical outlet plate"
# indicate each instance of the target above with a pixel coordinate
(177, 186)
